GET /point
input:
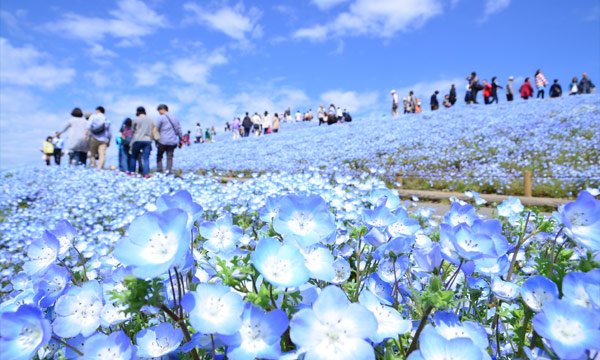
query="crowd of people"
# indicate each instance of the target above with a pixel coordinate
(412, 104)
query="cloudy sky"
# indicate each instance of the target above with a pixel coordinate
(212, 60)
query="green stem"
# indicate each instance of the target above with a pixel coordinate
(67, 345)
(413, 344)
(183, 327)
(552, 257)
(522, 239)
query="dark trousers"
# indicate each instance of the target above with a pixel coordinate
(494, 99)
(540, 93)
(141, 150)
(246, 131)
(509, 97)
(57, 156)
(80, 157)
(170, 150)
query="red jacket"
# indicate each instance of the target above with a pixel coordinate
(487, 90)
(526, 90)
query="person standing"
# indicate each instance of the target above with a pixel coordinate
(452, 95)
(487, 92)
(124, 142)
(247, 125)
(540, 83)
(510, 89)
(435, 104)
(141, 141)
(99, 129)
(198, 133)
(526, 90)
(267, 123)
(235, 128)
(574, 88)
(321, 114)
(495, 88)
(58, 147)
(298, 115)
(48, 150)
(394, 95)
(474, 87)
(585, 85)
(170, 134)
(77, 138)
(447, 104)
(276, 123)
(257, 123)
(555, 89)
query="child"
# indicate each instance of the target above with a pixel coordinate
(48, 150)
(185, 140)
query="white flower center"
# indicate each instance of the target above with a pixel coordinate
(568, 331)
(277, 268)
(160, 248)
(301, 223)
(252, 337)
(29, 336)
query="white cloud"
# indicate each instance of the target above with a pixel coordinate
(382, 18)
(327, 4)
(27, 66)
(131, 20)
(99, 51)
(232, 21)
(98, 78)
(149, 75)
(196, 71)
(495, 6)
(351, 100)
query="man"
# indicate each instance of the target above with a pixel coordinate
(141, 142)
(247, 125)
(510, 89)
(452, 95)
(585, 85)
(434, 101)
(100, 136)
(555, 89)
(170, 134)
(394, 95)
(58, 146)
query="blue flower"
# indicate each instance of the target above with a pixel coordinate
(381, 289)
(505, 290)
(306, 221)
(222, 236)
(272, 206)
(114, 346)
(319, 262)
(259, 335)
(449, 326)
(78, 311)
(182, 199)
(468, 244)
(23, 332)
(341, 267)
(155, 243)
(433, 346)
(460, 214)
(511, 208)
(570, 329)
(65, 233)
(380, 217)
(403, 225)
(157, 341)
(581, 220)
(41, 254)
(281, 264)
(537, 290)
(51, 285)
(334, 328)
(389, 321)
(214, 309)
(582, 288)
(384, 197)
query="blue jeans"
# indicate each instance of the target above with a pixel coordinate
(124, 157)
(143, 147)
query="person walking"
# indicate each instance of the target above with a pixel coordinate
(435, 104)
(198, 133)
(48, 150)
(555, 89)
(77, 138)
(540, 83)
(124, 142)
(394, 96)
(276, 123)
(586, 86)
(495, 88)
(510, 89)
(247, 125)
(99, 129)
(58, 147)
(170, 136)
(526, 90)
(141, 141)
(321, 114)
(257, 123)
(267, 123)
(452, 95)
(487, 92)
(235, 128)
(474, 87)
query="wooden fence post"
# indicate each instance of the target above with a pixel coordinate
(527, 183)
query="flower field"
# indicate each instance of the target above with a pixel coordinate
(314, 256)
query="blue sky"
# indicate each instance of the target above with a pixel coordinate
(212, 60)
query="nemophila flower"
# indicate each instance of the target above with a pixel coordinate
(433, 346)
(403, 224)
(115, 346)
(401, 244)
(390, 270)
(155, 242)
(505, 290)
(318, 259)
(511, 208)
(492, 229)
(65, 233)
(476, 197)
(214, 309)
(571, 330)
(271, 208)
(460, 214)
(23, 332)
(449, 326)
(52, 285)
(222, 236)
(537, 290)
(182, 199)
(341, 268)
(581, 220)
(157, 341)
(25, 297)
(491, 266)
(259, 335)
(281, 264)
(380, 288)
(334, 328)
(41, 254)
(468, 244)
(582, 288)
(428, 258)
(385, 197)
(305, 220)
(375, 237)
(112, 315)
(380, 217)
(78, 311)
(389, 321)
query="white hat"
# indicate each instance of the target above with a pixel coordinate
(511, 78)
(393, 91)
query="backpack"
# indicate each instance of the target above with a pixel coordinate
(98, 129)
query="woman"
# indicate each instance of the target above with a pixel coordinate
(77, 138)
(125, 144)
(495, 88)
(48, 150)
(573, 89)
(526, 90)
(141, 142)
(540, 83)
(276, 123)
